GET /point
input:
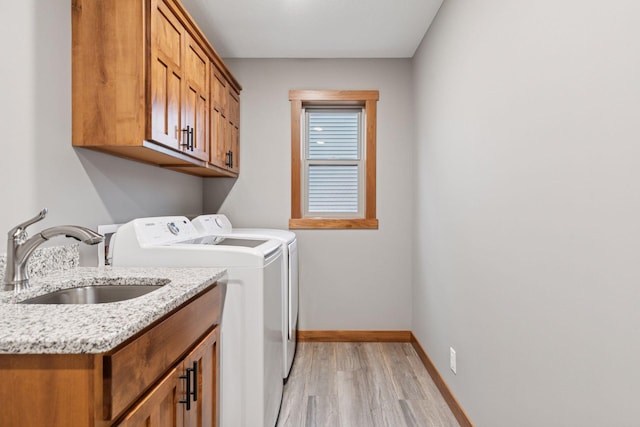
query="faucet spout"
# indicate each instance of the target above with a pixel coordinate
(81, 234)
(20, 248)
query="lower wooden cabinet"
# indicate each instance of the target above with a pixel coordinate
(167, 375)
(186, 396)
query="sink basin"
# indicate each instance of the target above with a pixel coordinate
(94, 294)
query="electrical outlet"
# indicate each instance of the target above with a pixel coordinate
(452, 360)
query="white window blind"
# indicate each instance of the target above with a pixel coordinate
(333, 135)
(333, 166)
(333, 189)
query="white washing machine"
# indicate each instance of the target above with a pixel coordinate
(250, 338)
(219, 225)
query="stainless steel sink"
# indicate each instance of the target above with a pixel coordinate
(94, 294)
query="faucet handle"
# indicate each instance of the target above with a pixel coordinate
(20, 228)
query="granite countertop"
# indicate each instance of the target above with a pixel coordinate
(93, 328)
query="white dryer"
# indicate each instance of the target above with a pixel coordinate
(219, 225)
(250, 339)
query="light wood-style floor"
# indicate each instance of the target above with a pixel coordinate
(361, 385)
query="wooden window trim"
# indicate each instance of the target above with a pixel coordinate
(302, 98)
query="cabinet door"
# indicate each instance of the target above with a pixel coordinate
(225, 121)
(233, 144)
(161, 407)
(202, 363)
(234, 148)
(218, 153)
(167, 45)
(196, 105)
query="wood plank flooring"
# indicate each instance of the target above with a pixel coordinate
(361, 385)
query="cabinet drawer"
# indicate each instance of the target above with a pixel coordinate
(132, 369)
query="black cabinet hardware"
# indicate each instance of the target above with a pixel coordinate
(191, 386)
(189, 138)
(194, 383)
(187, 377)
(229, 161)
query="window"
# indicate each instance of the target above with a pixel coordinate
(333, 159)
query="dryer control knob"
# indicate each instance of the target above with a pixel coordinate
(173, 228)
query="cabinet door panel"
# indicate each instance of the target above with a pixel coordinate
(161, 406)
(165, 108)
(233, 141)
(218, 132)
(166, 76)
(197, 66)
(234, 147)
(219, 93)
(201, 128)
(196, 113)
(225, 123)
(204, 359)
(168, 35)
(234, 109)
(196, 102)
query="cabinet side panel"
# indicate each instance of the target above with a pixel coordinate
(131, 32)
(108, 72)
(60, 390)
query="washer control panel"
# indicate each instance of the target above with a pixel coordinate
(164, 230)
(217, 224)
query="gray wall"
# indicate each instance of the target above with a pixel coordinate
(527, 209)
(38, 166)
(350, 279)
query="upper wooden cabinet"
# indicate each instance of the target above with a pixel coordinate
(148, 86)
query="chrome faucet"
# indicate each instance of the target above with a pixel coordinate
(20, 247)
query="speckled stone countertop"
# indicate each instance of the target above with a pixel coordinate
(94, 328)
(46, 261)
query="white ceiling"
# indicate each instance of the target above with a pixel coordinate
(314, 28)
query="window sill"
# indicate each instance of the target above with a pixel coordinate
(326, 223)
